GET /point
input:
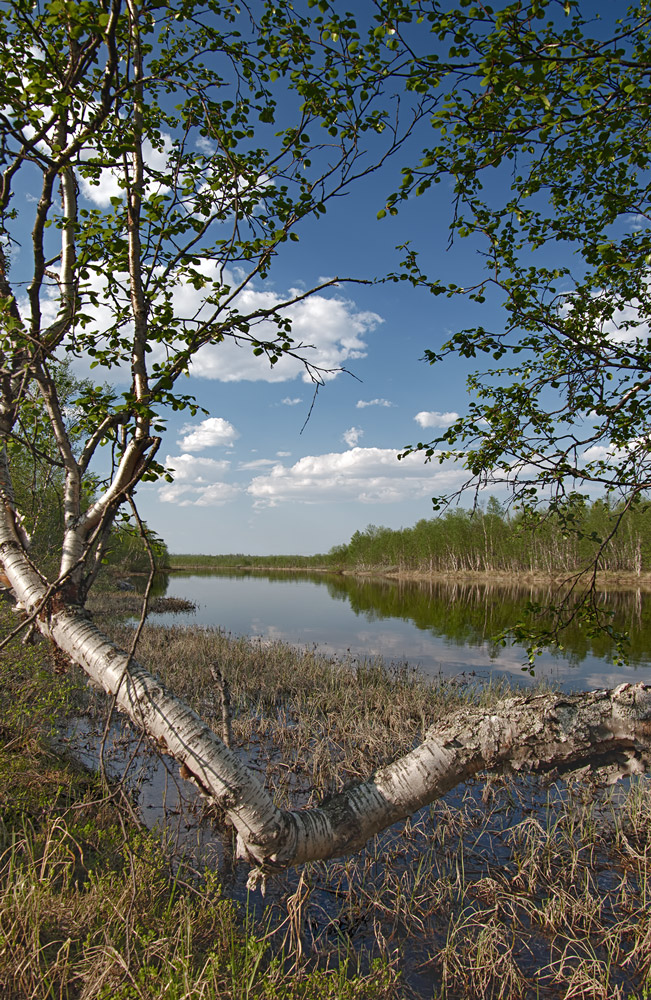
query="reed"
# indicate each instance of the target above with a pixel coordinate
(511, 887)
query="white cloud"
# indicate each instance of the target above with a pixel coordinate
(638, 222)
(159, 159)
(330, 329)
(283, 454)
(102, 319)
(105, 184)
(432, 418)
(597, 453)
(213, 495)
(611, 453)
(257, 463)
(370, 475)
(287, 401)
(197, 482)
(361, 403)
(109, 179)
(627, 325)
(189, 468)
(352, 436)
(629, 322)
(209, 433)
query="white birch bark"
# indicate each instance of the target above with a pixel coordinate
(538, 731)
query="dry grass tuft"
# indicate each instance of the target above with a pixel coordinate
(504, 890)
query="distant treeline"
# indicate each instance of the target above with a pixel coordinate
(238, 560)
(491, 540)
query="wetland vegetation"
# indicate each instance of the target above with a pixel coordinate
(509, 887)
(489, 541)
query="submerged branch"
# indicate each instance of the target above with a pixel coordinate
(540, 732)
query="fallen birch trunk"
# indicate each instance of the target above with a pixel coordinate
(541, 732)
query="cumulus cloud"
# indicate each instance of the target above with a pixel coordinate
(189, 468)
(628, 324)
(209, 433)
(432, 418)
(352, 436)
(291, 401)
(366, 475)
(598, 453)
(370, 475)
(638, 222)
(328, 331)
(107, 184)
(214, 495)
(197, 482)
(102, 311)
(611, 453)
(362, 403)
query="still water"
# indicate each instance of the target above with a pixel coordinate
(440, 628)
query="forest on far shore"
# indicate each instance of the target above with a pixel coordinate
(491, 539)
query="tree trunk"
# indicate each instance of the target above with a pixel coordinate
(532, 731)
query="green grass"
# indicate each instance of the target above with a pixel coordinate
(508, 889)
(93, 906)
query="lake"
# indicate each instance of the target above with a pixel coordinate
(441, 628)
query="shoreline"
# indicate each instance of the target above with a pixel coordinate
(605, 581)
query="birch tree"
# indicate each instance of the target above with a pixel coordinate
(216, 131)
(545, 139)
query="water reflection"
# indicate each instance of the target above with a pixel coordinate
(442, 627)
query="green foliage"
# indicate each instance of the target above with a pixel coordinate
(486, 540)
(491, 540)
(547, 142)
(219, 132)
(38, 475)
(542, 128)
(128, 552)
(239, 560)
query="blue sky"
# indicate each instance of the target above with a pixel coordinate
(246, 478)
(249, 476)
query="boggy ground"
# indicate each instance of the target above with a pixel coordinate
(507, 888)
(605, 580)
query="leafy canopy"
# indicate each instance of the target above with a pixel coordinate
(154, 158)
(542, 123)
(546, 134)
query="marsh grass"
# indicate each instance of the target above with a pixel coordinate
(89, 912)
(300, 712)
(506, 888)
(123, 603)
(94, 907)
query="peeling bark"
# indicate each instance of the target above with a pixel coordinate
(539, 732)
(104, 85)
